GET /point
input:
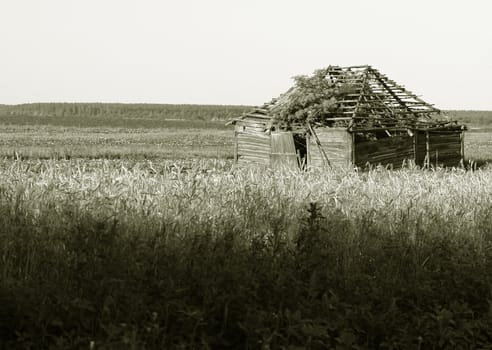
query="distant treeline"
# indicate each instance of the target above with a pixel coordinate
(157, 111)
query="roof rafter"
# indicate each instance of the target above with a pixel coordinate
(371, 100)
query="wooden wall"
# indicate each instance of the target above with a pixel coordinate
(445, 148)
(252, 141)
(253, 144)
(337, 144)
(435, 148)
(283, 153)
(391, 150)
(439, 148)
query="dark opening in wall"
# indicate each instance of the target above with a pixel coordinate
(301, 149)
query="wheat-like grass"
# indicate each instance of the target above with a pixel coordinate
(185, 192)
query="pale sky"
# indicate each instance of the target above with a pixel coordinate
(238, 51)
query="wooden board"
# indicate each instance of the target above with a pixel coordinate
(394, 151)
(283, 152)
(445, 149)
(253, 148)
(439, 148)
(336, 144)
(253, 125)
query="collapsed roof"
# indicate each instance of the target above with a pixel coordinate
(373, 101)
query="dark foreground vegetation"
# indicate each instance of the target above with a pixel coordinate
(83, 280)
(267, 271)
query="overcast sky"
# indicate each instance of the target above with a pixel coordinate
(238, 51)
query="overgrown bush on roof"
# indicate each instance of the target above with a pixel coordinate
(312, 99)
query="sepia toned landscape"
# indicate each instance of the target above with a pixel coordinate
(146, 235)
(271, 175)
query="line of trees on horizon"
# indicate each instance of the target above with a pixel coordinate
(138, 110)
(173, 111)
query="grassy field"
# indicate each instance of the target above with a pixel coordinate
(118, 131)
(56, 142)
(130, 236)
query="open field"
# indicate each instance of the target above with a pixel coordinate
(209, 140)
(140, 131)
(143, 235)
(56, 142)
(47, 141)
(478, 146)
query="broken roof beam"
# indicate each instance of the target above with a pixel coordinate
(390, 86)
(400, 102)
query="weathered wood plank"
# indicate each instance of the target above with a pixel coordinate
(334, 142)
(260, 137)
(392, 150)
(254, 142)
(251, 123)
(254, 150)
(251, 158)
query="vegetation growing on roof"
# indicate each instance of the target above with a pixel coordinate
(313, 99)
(358, 97)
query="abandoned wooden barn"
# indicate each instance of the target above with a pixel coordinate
(376, 122)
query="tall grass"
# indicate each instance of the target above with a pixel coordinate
(453, 194)
(202, 255)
